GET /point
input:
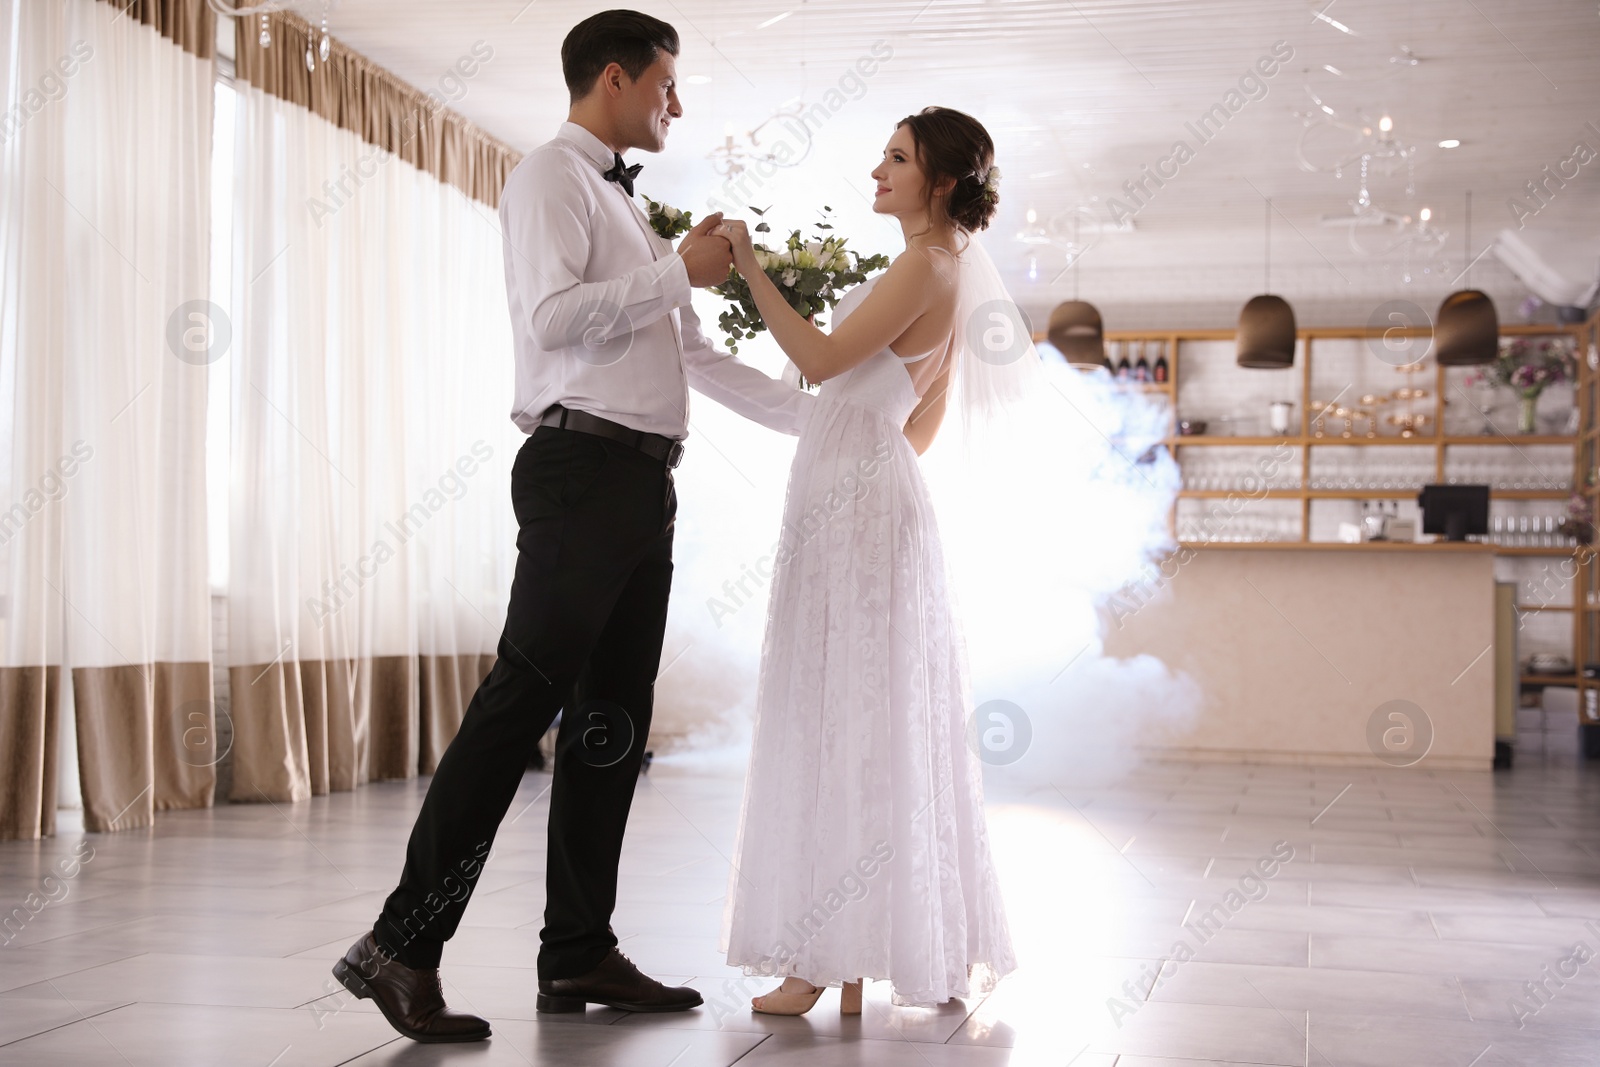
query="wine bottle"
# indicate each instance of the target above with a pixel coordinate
(1141, 369)
(1121, 369)
(1158, 373)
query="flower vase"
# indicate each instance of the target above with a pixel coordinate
(1527, 413)
(1577, 531)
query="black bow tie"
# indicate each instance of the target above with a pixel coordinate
(623, 176)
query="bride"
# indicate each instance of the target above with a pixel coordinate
(862, 848)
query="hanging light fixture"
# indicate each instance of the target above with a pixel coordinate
(323, 47)
(1466, 330)
(1075, 328)
(1266, 324)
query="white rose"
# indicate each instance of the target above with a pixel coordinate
(790, 277)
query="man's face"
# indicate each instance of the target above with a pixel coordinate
(648, 105)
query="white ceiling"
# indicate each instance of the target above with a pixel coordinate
(1079, 96)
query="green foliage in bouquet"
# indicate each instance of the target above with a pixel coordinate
(812, 276)
(667, 220)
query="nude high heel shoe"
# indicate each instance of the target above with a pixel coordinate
(850, 998)
(788, 1001)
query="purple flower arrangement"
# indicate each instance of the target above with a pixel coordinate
(1579, 521)
(1528, 365)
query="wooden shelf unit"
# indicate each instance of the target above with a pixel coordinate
(1585, 479)
(1586, 584)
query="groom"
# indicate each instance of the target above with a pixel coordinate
(606, 348)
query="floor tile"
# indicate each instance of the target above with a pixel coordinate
(1406, 929)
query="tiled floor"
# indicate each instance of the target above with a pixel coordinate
(1416, 908)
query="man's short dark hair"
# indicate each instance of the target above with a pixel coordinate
(630, 39)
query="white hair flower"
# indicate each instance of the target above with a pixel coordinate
(991, 181)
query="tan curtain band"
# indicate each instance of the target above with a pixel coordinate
(189, 24)
(355, 94)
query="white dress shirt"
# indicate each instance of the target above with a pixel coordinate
(600, 314)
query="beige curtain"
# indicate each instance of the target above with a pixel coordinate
(191, 25)
(448, 682)
(104, 331)
(372, 541)
(356, 95)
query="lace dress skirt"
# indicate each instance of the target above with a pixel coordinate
(862, 848)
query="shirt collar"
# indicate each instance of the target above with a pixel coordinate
(588, 144)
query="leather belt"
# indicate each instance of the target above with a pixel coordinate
(656, 446)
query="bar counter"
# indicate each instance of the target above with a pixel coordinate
(1300, 651)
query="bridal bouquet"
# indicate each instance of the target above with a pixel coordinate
(812, 275)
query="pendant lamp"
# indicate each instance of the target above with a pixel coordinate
(1075, 328)
(1266, 324)
(1466, 330)
(1076, 331)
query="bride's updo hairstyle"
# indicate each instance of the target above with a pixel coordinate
(952, 144)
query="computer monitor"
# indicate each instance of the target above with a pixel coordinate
(1457, 511)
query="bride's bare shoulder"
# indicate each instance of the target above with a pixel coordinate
(933, 267)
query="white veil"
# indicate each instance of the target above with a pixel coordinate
(998, 372)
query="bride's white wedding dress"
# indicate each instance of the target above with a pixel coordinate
(862, 847)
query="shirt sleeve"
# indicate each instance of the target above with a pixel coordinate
(545, 214)
(737, 385)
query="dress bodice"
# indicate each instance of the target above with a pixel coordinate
(880, 381)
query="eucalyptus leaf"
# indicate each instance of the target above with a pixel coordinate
(816, 288)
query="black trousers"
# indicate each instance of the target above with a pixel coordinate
(583, 630)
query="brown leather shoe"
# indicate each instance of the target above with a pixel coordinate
(412, 1000)
(616, 983)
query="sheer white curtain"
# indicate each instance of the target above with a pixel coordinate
(104, 334)
(371, 541)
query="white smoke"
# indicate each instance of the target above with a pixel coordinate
(1074, 510)
(1053, 516)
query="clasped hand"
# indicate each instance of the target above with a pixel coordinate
(713, 246)
(737, 234)
(706, 255)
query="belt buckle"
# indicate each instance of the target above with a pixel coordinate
(674, 454)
